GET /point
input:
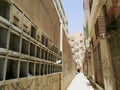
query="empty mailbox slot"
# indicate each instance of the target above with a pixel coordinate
(49, 69)
(14, 42)
(46, 55)
(33, 32)
(38, 52)
(46, 68)
(42, 69)
(53, 58)
(32, 49)
(26, 25)
(44, 40)
(50, 57)
(16, 16)
(53, 69)
(5, 9)
(37, 69)
(42, 53)
(31, 68)
(38, 36)
(3, 37)
(49, 43)
(23, 69)
(2, 66)
(60, 69)
(12, 69)
(25, 47)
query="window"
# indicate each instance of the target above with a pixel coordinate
(80, 34)
(81, 41)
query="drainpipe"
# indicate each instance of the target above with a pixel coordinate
(61, 35)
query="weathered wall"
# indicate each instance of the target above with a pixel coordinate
(43, 14)
(48, 82)
(115, 54)
(69, 66)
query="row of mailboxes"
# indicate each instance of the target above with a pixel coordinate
(10, 13)
(12, 68)
(13, 42)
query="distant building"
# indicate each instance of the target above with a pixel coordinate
(77, 45)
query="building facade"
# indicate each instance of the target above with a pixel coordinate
(101, 30)
(31, 45)
(76, 42)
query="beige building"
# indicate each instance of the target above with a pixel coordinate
(101, 29)
(32, 52)
(76, 42)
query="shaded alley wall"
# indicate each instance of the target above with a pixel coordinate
(69, 66)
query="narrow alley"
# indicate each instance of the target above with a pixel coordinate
(80, 82)
(39, 52)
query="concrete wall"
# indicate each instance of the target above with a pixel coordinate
(69, 66)
(48, 82)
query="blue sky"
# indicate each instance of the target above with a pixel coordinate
(75, 15)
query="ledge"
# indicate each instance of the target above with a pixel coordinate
(96, 85)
